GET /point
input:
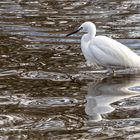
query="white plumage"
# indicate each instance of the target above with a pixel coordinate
(104, 51)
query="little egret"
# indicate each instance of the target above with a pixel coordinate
(104, 51)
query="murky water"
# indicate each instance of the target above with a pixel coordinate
(46, 89)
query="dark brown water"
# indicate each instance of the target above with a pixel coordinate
(46, 89)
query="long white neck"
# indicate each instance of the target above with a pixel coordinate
(85, 40)
(92, 30)
(90, 35)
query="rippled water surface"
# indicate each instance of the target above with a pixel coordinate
(46, 89)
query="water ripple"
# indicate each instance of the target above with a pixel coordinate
(9, 121)
(53, 76)
(48, 102)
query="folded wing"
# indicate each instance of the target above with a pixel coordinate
(108, 52)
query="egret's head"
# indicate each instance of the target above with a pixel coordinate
(87, 27)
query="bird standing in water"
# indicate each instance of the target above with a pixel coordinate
(104, 51)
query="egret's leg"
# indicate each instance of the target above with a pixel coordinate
(114, 73)
(111, 71)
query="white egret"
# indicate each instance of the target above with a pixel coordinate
(104, 51)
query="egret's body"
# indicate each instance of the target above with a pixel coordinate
(105, 51)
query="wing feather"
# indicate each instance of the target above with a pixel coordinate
(109, 52)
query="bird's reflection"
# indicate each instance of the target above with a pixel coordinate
(101, 95)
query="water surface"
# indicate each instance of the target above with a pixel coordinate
(47, 91)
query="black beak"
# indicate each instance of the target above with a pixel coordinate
(74, 32)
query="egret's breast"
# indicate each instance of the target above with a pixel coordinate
(86, 50)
